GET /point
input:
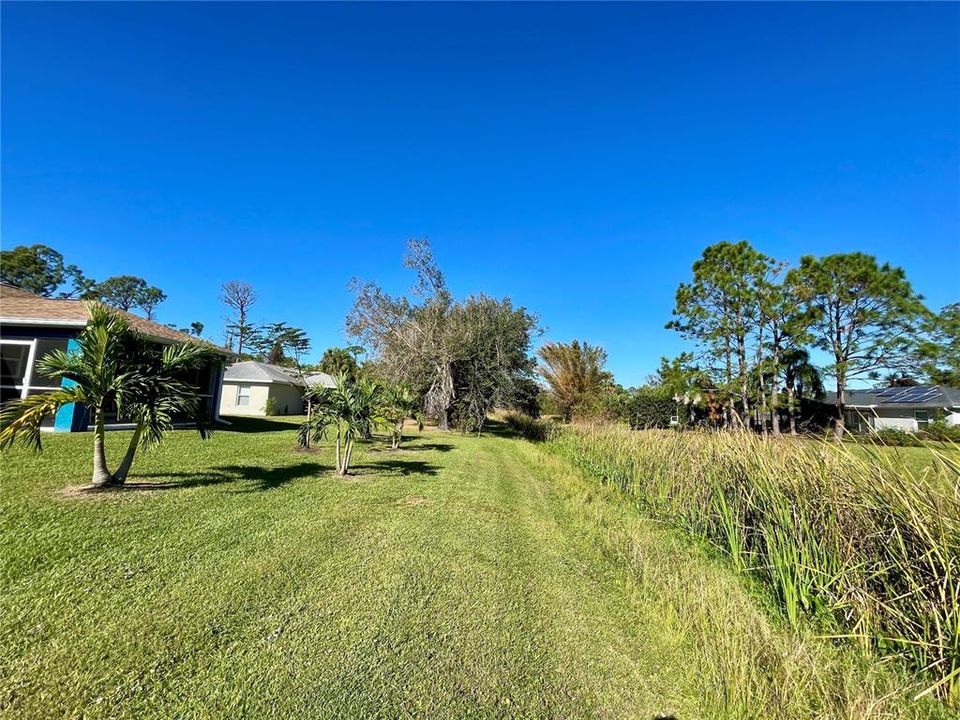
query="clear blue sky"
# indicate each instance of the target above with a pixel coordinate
(577, 158)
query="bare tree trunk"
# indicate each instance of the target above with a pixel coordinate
(443, 419)
(839, 428)
(763, 410)
(120, 475)
(775, 393)
(101, 475)
(744, 382)
(338, 452)
(792, 408)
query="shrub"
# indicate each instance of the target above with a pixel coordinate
(869, 546)
(893, 437)
(939, 430)
(649, 407)
(270, 408)
(529, 427)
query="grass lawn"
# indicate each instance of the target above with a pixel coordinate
(459, 577)
(919, 460)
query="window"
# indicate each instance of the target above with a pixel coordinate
(44, 347)
(13, 363)
(243, 395)
(922, 417)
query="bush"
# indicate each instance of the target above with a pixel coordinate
(529, 427)
(939, 430)
(893, 437)
(271, 406)
(649, 407)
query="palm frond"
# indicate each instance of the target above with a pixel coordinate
(20, 420)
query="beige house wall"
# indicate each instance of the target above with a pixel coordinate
(258, 399)
(287, 398)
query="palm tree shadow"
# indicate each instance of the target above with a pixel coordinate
(265, 478)
(397, 468)
(437, 446)
(187, 480)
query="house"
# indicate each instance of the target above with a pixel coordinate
(901, 408)
(250, 386)
(31, 326)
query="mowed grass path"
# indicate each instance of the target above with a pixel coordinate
(459, 577)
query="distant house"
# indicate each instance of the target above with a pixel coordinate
(250, 385)
(31, 326)
(901, 408)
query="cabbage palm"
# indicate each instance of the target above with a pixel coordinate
(349, 409)
(114, 366)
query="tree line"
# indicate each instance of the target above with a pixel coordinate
(756, 325)
(41, 270)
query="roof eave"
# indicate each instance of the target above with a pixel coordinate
(48, 322)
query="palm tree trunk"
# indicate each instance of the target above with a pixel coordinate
(101, 475)
(347, 452)
(306, 443)
(120, 475)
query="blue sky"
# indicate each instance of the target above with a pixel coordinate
(577, 158)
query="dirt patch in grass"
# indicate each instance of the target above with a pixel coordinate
(313, 450)
(91, 492)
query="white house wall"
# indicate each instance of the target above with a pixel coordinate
(288, 399)
(258, 399)
(896, 423)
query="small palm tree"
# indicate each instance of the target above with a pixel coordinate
(114, 366)
(157, 394)
(397, 404)
(349, 409)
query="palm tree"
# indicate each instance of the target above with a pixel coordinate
(349, 409)
(801, 378)
(157, 394)
(397, 405)
(110, 368)
(575, 374)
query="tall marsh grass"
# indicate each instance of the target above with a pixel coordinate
(866, 544)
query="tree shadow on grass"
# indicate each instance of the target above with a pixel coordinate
(499, 429)
(437, 446)
(185, 480)
(396, 468)
(263, 478)
(411, 445)
(258, 424)
(266, 478)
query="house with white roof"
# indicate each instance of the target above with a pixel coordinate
(250, 387)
